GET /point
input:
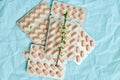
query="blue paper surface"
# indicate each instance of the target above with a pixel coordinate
(102, 23)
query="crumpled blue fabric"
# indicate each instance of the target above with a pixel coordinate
(102, 23)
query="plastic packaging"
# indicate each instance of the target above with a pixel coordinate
(34, 23)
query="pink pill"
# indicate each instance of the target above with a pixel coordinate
(35, 48)
(42, 50)
(75, 9)
(31, 23)
(32, 14)
(25, 27)
(71, 48)
(75, 15)
(38, 71)
(55, 59)
(57, 4)
(46, 65)
(77, 58)
(60, 68)
(55, 46)
(27, 18)
(32, 34)
(37, 30)
(82, 11)
(45, 72)
(43, 41)
(42, 25)
(52, 31)
(39, 64)
(48, 58)
(58, 32)
(72, 41)
(79, 39)
(36, 19)
(36, 39)
(22, 23)
(87, 47)
(74, 34)
(58, 74)
(87, 38)
(77, 49)
(82, 18)
(58, 38)
(70, 55)
(48, 51)
(41, 56)
(62, 61)
(66, 47)
(59, 25)
(47, 10)
(45, 30)
(53, 24)
(75, 27)
(62, 12)
(34, 55)
(42, 14)
(69, 26)
(49, 44)
(69, 8)
(63, 6)
(83, 43)
(41, 34)
(55, 52)
(91, 43)
(46, 21)
(55, 10)
(51, 37)
(38, 9)
(82, 34)
(82, 54)
(53, 67)
(32, 63)
(52, 73)
(26, 54)
(31, 70)
(43, 5)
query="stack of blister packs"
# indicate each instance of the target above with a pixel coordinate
(42, 25)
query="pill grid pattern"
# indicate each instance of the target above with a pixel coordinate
(34, 24)
(54, 38)
(41, 65)
(84, 46)
(42, 62)
(59, 8)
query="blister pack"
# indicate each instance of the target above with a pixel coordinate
(34, 23)
(41, 65)
(59, 8)
(54, 38)
(85, 44)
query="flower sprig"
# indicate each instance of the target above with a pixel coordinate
(63, 31)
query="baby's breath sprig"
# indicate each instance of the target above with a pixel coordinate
(63, 31)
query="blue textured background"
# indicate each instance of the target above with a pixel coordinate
(102, 23)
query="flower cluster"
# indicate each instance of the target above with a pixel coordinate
(63, 31)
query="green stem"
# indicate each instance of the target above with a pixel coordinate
(63, 27)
